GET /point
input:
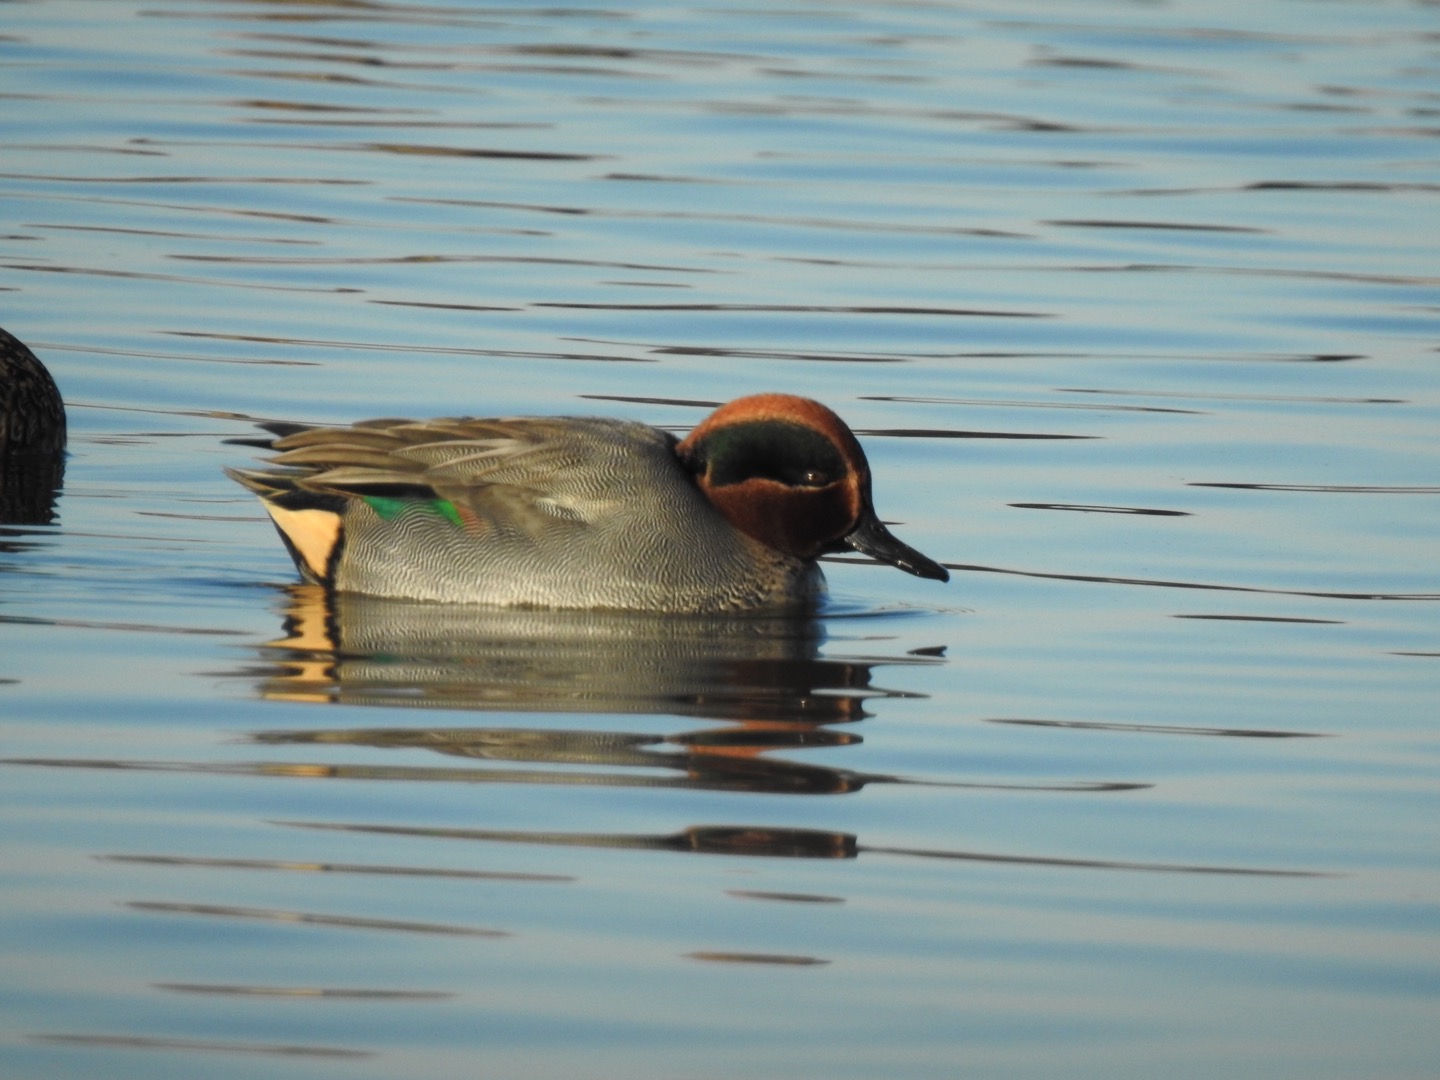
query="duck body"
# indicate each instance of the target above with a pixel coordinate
(32, 436)
(32, 414)
(575, 512)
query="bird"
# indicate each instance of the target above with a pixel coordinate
(32, 437)
(32, 414)
(576, 512)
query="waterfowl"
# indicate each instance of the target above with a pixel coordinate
(32, 415)
(32, 437)
(579, 512)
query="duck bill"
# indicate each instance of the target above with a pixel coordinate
(871, 538)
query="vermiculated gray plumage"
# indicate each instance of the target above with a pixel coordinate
(560, 512)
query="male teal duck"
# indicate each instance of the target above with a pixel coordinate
(580, 512)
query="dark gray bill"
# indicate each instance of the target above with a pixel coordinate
(872, 538)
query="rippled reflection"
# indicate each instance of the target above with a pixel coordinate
(785, 843)
(29, 488)
(763, 681)
(193, 1046)
(370, 650)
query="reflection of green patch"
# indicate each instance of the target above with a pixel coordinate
(389, 508)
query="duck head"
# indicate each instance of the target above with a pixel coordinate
(786, 471)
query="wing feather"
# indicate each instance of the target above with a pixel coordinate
(525, 474)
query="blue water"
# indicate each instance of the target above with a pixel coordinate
(1135, 309)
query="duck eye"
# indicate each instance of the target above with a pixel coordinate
(813, 478)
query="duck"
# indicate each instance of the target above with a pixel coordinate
(577, 512)
(32, 437)
(32, 413)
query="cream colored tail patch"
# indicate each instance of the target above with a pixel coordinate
(313, 533)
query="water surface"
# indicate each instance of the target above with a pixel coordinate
(1135, 309)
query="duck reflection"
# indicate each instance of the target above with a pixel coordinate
(763, 677)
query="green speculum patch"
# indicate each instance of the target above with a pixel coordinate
(389, 507)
